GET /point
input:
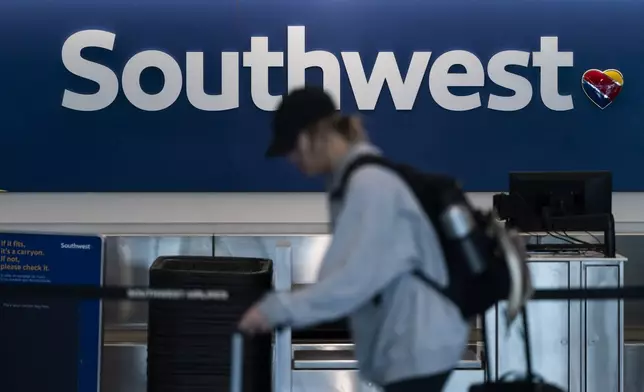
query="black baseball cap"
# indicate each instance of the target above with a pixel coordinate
(298, 110)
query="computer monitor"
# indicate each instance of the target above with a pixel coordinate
(539, 199)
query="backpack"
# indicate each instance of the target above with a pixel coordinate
(485, 261)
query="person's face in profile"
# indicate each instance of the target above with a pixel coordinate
(311, 155)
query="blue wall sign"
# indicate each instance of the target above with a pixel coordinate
(48, 344)
(108, 95)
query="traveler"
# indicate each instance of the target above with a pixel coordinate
(411, 337)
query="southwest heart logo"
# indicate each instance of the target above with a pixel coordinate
(602, 87)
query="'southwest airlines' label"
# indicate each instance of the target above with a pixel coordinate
(366, 85)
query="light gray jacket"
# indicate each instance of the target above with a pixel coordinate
(380, 234)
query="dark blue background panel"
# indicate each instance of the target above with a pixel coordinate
(484, 88)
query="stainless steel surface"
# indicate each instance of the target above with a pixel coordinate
(632, 246)
(603, 329)
(549, 329)
(633, 365)
(576, 329)
(320, 356)
(577, 345)
(322, 347)
(324, 360)
(124, 368)
(282, 354)
(306, 251)
(127, 260)
(349, 381)
(328, 381)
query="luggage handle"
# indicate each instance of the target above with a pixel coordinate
(236, 362)
(526, 343)
(526, 347)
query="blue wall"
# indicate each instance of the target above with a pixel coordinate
(47, 147)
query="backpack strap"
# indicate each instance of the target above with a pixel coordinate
(339, 191)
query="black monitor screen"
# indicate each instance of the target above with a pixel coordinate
(539, 196)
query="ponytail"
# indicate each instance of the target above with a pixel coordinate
(351, 128)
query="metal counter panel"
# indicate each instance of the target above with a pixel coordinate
(549, 330)
(602, 338)
(328, 381)
(632, 246)
(348, 381)
(341, 356)
(282, 352)
(633, 365)
(127, 261)
(124, 368)
(556, 326)
(576, 328)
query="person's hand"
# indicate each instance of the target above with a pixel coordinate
(254, 322)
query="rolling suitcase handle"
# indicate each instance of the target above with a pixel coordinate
(237, 362)
(528, 383)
